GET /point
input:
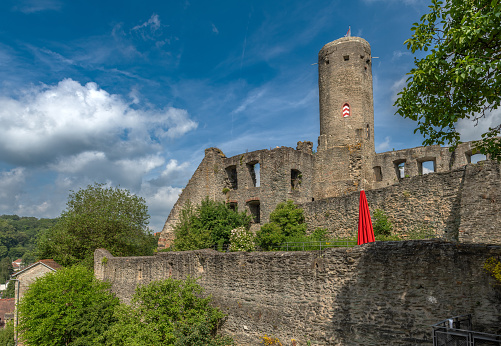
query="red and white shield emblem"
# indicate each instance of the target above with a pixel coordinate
(346, 110)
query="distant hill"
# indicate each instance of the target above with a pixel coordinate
(18, 235)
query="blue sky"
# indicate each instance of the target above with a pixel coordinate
(130, 93)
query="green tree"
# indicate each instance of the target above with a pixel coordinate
(98, 217)
(207, 224)
(67, 307)
(286, 222)
(460, 78)
(7, 335)
(10, 291)
(168, 312)
(6, 269)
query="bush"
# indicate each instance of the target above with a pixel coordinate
(67, 307)
(208, 224)
(493, 267)
(381, 225)
(241, 239)
(167, 312)
(7, 335)
(286, 222)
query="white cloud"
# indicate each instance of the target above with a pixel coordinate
(256, 95)
(153, 24)
(32, 6)
(48, 123)
(397, 87)
(470, 130)
(384, 146)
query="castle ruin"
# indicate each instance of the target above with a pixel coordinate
(345, 163)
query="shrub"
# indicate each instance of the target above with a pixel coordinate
(67, 307)
(493, 267)
(381, 225)
(168, 312)
(286, 222)
(241, 239)
(207, 224)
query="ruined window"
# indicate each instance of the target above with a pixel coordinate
(346, 57)
(255, 173)
(474, 158)
(296, 179)
(231, 178)
(233, 205)
(368, 132)
(255, 210)
(425, 167)
(255, 170)
(400, 168)
(378, 175)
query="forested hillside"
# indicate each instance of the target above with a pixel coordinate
(18, 240)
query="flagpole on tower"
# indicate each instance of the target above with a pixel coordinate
(348, 34)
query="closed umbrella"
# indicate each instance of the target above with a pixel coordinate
(365, 231)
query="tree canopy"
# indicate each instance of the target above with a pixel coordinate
(67, 307)
(460, 78)
(96, 217)
(286, 222)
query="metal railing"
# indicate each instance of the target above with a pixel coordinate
(457, 331)
(315, 245)
(297, 246)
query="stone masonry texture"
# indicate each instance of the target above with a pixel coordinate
(383, 293)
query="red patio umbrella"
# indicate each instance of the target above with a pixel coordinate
(365, 231)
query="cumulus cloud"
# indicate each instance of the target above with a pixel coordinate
(48, 123)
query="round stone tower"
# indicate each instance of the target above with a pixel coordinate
(346, 117)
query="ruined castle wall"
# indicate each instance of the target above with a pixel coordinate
(384, 293)
(284, 173)
(207, 181)
(386, 170)
(462, 203)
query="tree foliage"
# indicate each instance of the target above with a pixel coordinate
(67, 307)
(460, 78)
(168, 312)
(98, 217)
(7, 335)
(286, 222)
(207, 224)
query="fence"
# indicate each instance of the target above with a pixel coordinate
(457, 331)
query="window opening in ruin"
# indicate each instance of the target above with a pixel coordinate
(233, 206)
(346, 57)
(296, 179)
(474, 158)
(425, 167)
(255, 210)
(231, 181)
(368, 132)
(400, 168)
(255, 173)
(327, 61)
(378, 175)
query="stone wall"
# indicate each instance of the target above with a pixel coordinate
(463, 204)
(383, 293)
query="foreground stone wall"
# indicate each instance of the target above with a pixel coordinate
(384, 293)
(463, 204)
